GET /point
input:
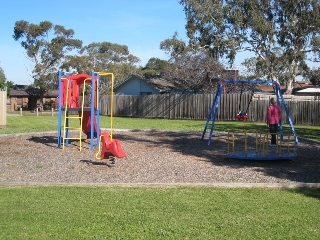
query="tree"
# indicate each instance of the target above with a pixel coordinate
(103, 57)
(75, 64)
(314, 76)
(252, 71)
(155, 66)
(261, 26)
(190, 68)
(46, 45)
(2, 79)
(4, 83)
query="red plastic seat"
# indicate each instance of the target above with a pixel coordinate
(242, 116)
(111, 148)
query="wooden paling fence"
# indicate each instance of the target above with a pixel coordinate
(197, 106)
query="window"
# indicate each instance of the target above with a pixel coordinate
(145, 93)
(19, 101)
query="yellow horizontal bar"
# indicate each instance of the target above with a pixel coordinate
(103, 73)
(73, 117)
(74, 138)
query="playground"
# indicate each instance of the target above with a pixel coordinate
(156, 157)
(80, 151)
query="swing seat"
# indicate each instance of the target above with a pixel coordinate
(242, 116)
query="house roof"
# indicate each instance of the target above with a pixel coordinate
(27, 91)
(157, 82)
(297, 87)
(19, 91)
(310, 90)
(269, 88)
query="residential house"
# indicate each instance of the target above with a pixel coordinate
(28, 98)
(301, 90)
(306, 89)
(140, 85)
(230, 74)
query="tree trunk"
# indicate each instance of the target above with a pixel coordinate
(41, 103)
(289, 88)
(293, 72)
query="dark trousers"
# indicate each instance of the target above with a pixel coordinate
(273, 131)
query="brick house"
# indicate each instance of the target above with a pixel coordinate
(28, 98)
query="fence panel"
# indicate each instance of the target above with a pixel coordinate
(184, 106)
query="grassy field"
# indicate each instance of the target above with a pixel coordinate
(32, 123)
(74, 212)
(158, 213)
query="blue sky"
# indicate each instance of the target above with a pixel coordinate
(139, 24)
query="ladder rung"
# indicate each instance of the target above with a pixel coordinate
(73, 138)
(74, 128)
(73, 117)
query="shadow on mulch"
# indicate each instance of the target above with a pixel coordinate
(105, 162)
(305, 168)
(50, 141)
(46, 140)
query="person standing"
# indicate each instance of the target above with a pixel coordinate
(273, 119)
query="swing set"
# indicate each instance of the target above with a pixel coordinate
(242, 115)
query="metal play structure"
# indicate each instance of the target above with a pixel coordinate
(74, 97)
(262, 152)
(255, 146)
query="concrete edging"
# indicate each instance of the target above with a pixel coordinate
(224, 185)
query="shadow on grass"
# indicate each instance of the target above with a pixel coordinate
(310, 192)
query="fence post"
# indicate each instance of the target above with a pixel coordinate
(3, 107)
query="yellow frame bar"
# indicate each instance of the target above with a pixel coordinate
(111, 100)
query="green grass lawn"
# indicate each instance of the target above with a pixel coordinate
(32, 123)
(158, 213)
(70, 212)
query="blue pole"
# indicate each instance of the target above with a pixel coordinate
(289, 119)
(266, 82)
(278, 93)
(215, 113)
(213, 109)
(92, 111)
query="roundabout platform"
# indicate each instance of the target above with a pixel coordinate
(271, 155)
(255, 147)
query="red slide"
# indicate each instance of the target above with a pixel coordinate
(110, 148)
(86, 124)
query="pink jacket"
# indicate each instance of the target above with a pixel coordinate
(274, 114)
